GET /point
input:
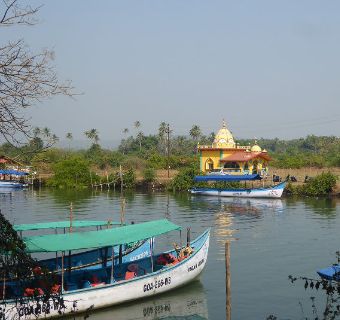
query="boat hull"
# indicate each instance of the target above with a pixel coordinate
(163, 280)
(12, 184)
(270, 192)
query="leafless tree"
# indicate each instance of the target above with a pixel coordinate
(26, 77)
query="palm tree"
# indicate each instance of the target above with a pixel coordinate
(162, 131)
(69, 137)
(195, 132)
(140, 136)
(92, 135)
(137, 124)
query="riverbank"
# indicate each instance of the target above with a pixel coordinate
(163, 179)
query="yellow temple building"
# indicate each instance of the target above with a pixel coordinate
(224, 155)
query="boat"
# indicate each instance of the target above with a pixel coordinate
(330, 273)
(12, 183)
(91, 259)
(80, 291)
(264, 192)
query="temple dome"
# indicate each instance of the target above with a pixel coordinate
(256, 148)
(224, 138)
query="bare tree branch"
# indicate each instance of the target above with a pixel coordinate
(14, 13)
(26, 78)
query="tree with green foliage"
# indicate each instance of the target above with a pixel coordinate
(71, 173)
(195, 132)
(69, 137)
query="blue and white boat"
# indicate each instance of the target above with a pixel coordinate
(114, 284)
(12, 183)
(264, 192)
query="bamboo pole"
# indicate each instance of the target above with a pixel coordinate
(107, 180)
(121, 178)
(188, 236)
(227, 271)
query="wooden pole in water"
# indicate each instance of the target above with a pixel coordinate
(188, 237)
(121, 178)
(227, 277)
(107, 180)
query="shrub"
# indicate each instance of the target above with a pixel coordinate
(71, 173)
(184, 179)
(320, 185)
(129, 179)
(149, 174)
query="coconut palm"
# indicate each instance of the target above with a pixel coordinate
(92, 135)
(162, 132)
(69, 137)
(140, 136)
(137, 124)
(195, 132)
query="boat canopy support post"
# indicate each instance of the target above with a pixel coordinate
(151, 253)
(106, 250)
(188, 237)
(4, 287)
(62, 271)
(112, 264)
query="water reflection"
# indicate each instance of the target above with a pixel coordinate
(189, 301)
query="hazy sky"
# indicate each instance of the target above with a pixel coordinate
(270, 68)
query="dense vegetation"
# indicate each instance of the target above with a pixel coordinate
(146, 154)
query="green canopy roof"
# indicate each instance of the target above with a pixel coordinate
(63, 224)
(98, 239)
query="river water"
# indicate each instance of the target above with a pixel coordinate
(270, 239)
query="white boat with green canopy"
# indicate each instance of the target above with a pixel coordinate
(81, 290)
(89, 258)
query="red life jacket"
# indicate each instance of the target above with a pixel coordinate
(129, 275)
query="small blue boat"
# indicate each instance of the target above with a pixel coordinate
(330, 273)
(12, 183)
